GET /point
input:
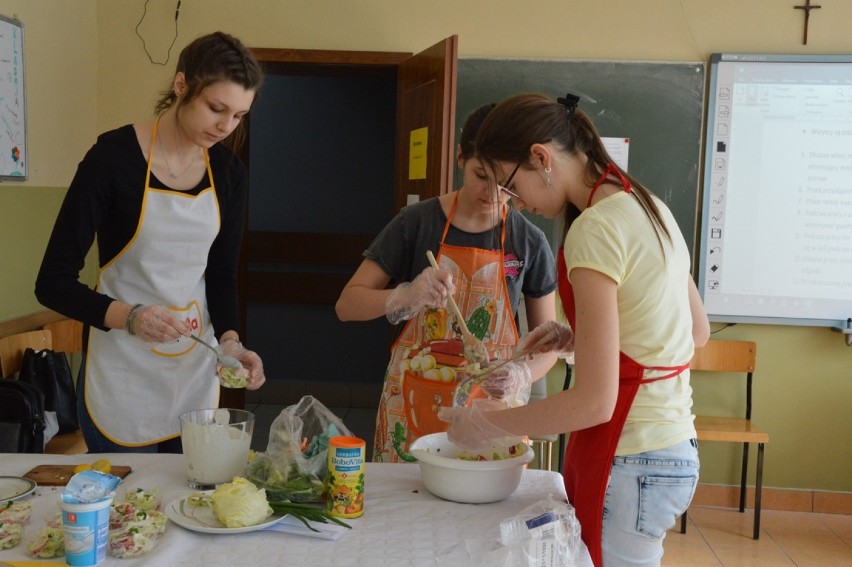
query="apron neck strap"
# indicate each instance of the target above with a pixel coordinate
(505, 212)
(610, 170)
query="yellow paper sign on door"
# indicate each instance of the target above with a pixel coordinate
(418, 144)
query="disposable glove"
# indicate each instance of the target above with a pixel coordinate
(550, 336)
(155, 324)
(510, 384)
(252, 370)
(471, 430)
(429, 289)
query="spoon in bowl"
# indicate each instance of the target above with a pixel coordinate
(464, 389)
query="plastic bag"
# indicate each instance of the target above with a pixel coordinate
(296, 459)
(545, 534)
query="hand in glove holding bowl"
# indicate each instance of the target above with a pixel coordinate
(471, 429)
(250, 375)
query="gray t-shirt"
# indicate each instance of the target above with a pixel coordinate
(400, 249)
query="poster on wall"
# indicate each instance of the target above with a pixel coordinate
(13, 105)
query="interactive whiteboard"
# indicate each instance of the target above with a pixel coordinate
(13, 101)
(776, 223)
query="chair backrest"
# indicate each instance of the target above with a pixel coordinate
(12, 349)
(728, 356)
(67, 335)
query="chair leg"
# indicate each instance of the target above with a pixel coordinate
(758, 488)
(683, 522)
(743, 478)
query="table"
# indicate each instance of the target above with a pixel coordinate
(403, 524)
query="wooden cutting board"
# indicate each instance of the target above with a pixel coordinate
(59, 475)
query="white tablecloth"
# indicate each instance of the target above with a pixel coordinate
(403, 524)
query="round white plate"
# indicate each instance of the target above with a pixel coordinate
(14, 487)
(201, 519)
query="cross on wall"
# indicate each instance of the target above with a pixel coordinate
(807, 10)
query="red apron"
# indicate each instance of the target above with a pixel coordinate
(590, 452)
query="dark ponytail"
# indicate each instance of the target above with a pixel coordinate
(517, 123)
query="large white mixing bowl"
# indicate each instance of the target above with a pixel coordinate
(459, 480)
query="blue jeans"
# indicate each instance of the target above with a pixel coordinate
(646, 494)
(97, 442)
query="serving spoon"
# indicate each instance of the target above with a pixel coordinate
(222, 359)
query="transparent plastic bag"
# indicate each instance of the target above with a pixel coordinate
(296, 459)
(545, 534)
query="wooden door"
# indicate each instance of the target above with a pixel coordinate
(427, 99)
(286, 271)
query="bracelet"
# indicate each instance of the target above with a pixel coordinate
(128, 323)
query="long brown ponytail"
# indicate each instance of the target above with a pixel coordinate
(514, 125)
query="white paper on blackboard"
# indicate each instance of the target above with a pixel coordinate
(13, 106)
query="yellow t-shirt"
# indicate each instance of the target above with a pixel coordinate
(616, 238)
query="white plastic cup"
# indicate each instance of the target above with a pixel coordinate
(216, 444)
(86, 528)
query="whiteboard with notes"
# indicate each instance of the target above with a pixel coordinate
(13, 102)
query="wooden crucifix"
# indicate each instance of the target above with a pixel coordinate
(807, 9)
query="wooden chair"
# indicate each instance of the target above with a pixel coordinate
(726, 356)
(12, 350)
(67, 335)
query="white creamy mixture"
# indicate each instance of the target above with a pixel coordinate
(214, 453)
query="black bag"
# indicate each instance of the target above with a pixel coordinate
(50, 372)
(21, 417)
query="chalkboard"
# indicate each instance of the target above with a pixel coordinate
(658, 105)
(13, 101)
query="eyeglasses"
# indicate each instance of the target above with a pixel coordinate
(505, 186)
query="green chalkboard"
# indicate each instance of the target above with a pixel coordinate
(659, 106)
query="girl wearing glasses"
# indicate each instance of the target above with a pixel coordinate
(489, 255)
(626, 288)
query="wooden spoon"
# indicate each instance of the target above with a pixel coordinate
(474, 350)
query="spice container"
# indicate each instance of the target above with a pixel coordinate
(345, 481)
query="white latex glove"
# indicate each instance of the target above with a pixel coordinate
(252, 364)
(550, 336)
(155, 324)
(510, 384)
(471, 429)
(429, 289)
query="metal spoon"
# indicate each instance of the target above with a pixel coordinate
(465, 387)
(222, 359)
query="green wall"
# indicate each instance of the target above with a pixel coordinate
(87, 72)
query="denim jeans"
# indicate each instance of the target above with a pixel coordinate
(97, 442)
(646, 494)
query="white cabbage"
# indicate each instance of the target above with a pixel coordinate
(240, 503)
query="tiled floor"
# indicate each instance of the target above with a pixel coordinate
(722, 537)
(717, 537)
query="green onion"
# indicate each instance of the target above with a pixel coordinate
(305, 512)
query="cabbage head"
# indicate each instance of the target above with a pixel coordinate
(240, 503)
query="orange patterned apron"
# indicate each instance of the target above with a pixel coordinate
(411, 395)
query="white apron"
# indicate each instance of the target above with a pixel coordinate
(135, 391)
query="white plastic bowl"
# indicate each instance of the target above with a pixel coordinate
(475, 482)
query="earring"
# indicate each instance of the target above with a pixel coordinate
(547, 170)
